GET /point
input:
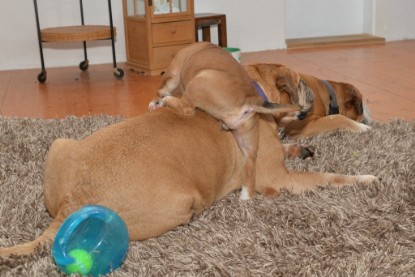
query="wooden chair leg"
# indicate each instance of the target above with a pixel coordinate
(223, 41)
(206, 33)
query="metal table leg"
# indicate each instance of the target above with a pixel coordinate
(42, 75)
(118, 73)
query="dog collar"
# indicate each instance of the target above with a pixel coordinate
(333, 106)
(260, 91)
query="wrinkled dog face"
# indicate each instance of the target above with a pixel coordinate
(351, 104)
(289, 83)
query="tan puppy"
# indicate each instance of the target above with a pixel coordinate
(205, 76)
(333, 106)
(159, 169)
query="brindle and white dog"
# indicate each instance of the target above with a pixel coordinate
(328, 105)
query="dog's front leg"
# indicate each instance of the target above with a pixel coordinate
(169, 86)
(316, 124)
(179, 105)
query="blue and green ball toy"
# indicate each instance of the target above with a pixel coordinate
(92, 241)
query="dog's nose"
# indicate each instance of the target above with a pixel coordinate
(302, 115)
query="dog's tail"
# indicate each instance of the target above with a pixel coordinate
(259, 105)
(30, 247)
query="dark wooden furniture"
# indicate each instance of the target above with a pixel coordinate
(205, 20)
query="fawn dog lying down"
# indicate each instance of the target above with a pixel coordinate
(205, 76)
(159, 169)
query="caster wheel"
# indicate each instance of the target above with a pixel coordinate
(41, 77)
(84, 65)
(118, 73)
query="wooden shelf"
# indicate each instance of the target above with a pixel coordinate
(76, 33)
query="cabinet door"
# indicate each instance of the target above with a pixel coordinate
(137, 43)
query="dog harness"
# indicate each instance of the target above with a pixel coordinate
(333, 106)
(260, 91)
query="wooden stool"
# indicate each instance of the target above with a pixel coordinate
(205, 20)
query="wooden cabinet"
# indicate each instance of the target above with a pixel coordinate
(155, 30)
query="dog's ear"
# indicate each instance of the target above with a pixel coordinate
(288, 85)
(288, 81)
(281, 83)
(296, 77)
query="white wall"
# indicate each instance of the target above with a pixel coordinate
(19, 43)
(380, 17)
(400, 19)
(252, 26)
(319, 18)
(368, 16)
(391, 19)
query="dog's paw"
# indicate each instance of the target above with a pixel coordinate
(368, 179)
(300, 151)
(307, 151)
(360, 127)
(155, 104)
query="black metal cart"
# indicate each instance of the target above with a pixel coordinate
(82, 33)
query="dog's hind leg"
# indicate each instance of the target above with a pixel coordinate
(30, 247)
(247, 137)
(299, 182)
(272, 174)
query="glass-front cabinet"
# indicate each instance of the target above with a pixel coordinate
(163, 7)
(158, 7)
(155, 30)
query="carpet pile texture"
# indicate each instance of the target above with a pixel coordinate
(352, 231)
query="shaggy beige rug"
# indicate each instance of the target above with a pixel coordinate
(353, 231)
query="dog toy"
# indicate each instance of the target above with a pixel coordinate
(82, 264)
(92, 241)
